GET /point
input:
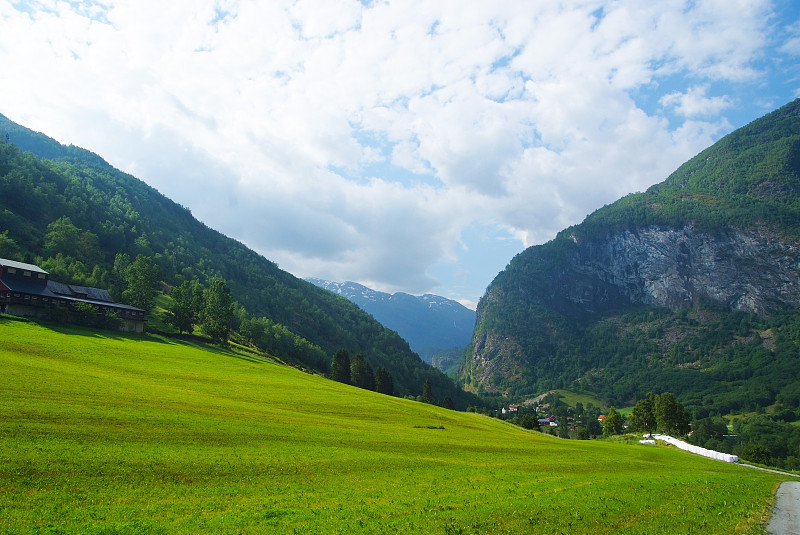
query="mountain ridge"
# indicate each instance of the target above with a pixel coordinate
(715, 244)
(430, 323)
(43, 182)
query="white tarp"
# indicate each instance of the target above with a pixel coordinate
(727, 457)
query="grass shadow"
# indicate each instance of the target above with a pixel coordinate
(161, 337)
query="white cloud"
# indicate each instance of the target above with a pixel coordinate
(358, 142)
(695, 103)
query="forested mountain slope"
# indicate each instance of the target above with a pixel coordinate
(67, 210)
(690, 287)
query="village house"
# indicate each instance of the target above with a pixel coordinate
(26, 290)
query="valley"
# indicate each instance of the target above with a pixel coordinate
(399, 268)
(162, 432)
(112, 433)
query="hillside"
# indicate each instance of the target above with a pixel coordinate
(143, 434)
(690, 287)
(67, 210)
(431, 324)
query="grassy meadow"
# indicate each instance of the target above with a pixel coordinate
(105, 433)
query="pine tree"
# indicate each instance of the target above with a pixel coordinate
(384, 382)
(340, 367)
(427, 392)
(361, 374)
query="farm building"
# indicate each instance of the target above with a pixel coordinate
(26, 290)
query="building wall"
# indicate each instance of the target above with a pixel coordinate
(132, 326)
(17, 307)
(28, 311)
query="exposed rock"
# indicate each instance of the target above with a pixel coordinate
(722, 233)
(748, 270)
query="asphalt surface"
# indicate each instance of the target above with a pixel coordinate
(786, 518)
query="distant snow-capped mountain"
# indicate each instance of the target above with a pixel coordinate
(431, 324)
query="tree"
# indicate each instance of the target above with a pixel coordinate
(562, 431)
(117, 284)
(612, 423)
(671, 417)
(218, 311)
(8, 247)
(64, 237)
(710, 433)
(142, 276)
(757, 453)
(184, 312)
(581, 433)
(593, 426)
(340, 367)
(384, 382)
(361, 374)
(427, 392)
(643, 416)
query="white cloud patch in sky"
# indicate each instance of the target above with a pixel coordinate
(695, 103)
(392, 143)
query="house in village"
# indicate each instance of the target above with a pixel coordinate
(26, 290)
(512, 409)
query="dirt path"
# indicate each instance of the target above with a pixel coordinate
(786, 519)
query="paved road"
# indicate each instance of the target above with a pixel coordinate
(786, 520)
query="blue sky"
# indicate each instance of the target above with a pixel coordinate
(406, 145)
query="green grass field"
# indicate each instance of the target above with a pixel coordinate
(103, 433)
(571, 397)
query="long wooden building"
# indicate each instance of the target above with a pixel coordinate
(26, 290)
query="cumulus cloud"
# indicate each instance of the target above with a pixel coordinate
(695, 103)
(362, 141)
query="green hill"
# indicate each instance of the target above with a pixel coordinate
(691, 287)
(105, 433)
(67, 210)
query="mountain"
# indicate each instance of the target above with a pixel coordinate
(691, 287)
(431, 324)
(67, 210)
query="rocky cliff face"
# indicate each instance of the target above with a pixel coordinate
(721, 233)
(751, 270)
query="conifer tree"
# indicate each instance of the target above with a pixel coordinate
(361, 374)
(384, 382)
(340, 367)
(427, 392)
